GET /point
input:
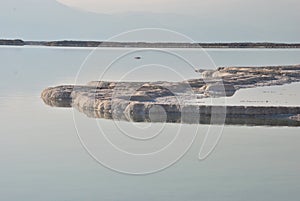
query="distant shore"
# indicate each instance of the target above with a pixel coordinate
(73, 43)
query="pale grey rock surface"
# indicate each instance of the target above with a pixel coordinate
(136, 100)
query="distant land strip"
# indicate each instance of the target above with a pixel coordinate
(73, 43)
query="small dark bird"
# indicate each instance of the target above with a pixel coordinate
(137, 57)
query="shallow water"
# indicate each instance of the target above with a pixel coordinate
(43, 159)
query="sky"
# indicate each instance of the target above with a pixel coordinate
(201, 20)
(154, 6)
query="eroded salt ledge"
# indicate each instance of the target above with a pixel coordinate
(175, 101)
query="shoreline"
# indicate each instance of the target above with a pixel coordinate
(221, 45)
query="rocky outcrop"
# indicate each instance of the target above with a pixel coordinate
(249, 77)
(149, 101)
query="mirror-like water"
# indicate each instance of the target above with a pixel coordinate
(43, 159)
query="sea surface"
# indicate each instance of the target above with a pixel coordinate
(42, 156)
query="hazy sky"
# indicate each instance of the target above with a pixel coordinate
(187, 7)
(154, 6)
(202, 20)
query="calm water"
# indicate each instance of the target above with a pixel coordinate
(43, 159)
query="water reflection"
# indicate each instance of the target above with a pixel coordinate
(280, 119)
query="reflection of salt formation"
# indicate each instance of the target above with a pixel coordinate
(167, 101)
(230, 119)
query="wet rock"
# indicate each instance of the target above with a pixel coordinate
(136, 100)
(219, 90)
